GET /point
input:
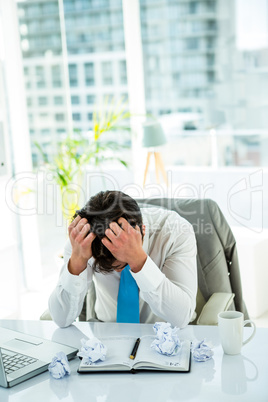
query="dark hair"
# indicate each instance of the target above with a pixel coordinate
(102, 209)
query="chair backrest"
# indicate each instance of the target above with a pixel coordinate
(217, 260)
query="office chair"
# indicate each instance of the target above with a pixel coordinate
(219, 282)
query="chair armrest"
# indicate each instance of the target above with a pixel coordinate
(216, 303)
(46, 316)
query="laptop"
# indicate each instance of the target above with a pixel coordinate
(24, 356)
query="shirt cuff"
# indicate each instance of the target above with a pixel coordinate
(149, 277)
(74, 284)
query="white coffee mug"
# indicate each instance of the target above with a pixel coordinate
(231, 325)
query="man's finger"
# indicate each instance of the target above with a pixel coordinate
(110, 234)
(81, 224)
(124, 224)
(115, 228)
(89, 239)
(83, 231)
(106, 242)
(74, 223)
(143, 229)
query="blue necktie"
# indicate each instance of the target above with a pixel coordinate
(128, 298)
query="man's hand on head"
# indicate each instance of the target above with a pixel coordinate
(125, 243)
(81, 241)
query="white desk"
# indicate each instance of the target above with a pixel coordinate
(224, 378)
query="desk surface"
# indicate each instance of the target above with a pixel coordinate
(224, 378)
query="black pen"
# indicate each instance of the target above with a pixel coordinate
(135, 349)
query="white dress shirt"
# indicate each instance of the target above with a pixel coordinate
(167, 281)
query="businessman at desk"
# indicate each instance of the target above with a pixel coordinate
(142, 263)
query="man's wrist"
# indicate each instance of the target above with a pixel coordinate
(76, 265)
(139, 262)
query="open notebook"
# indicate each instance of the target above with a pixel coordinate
(118, 357)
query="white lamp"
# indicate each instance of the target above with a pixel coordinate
(153, 136)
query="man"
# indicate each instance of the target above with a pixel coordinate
(120, 247)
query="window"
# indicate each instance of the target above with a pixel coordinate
(40, 77)
(211, 25)
(191, 43)
(193, 6)
(45, 132)
(174, 11)
(58, 100)
(75, 100)
(69, 20)
(176, 78)
(124, 97)
(49, 23)
(69, 5)
(33, 10)
(59, 117)
(73, 75)
(174, 28)
(117, 34)
(116, 17)
(41, 84)
(210, 60)
(90, 99)
(211, 76)
(42, 101)
(50, 7)
(107, 98)
(76, 116)
(56, 76)
(211, 5)
(33, 26)
(61, 131)
(194, 62)
(107, 73)
(123, 72)
(89, 74)
(184, 66)
(210, 43)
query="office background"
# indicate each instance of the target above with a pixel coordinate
(200, 68)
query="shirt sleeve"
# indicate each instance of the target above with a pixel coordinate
(66, 301)
(171, 290)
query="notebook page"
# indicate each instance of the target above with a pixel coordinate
(149, 356)
(119, 349)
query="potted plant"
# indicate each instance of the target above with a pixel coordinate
(77, 151)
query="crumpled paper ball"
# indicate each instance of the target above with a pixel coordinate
(92, 351)
(59, 366)
(167, 341)
(202, 350)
